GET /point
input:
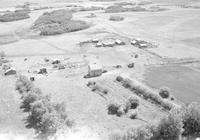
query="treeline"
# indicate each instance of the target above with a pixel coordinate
(44, 116)
(181, 124)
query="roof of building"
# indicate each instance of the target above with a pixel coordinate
(94, 66)
(10, 69)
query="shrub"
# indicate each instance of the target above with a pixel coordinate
(121, 111)
(169, 128)
(113, 108)
(91, 83)
(141, 133)
(132, 114)
(46, 117)
(126, 83)
(164, 92)
(28, 99)
(116, 18)
(96, 88)
(146, 93)
(119, 78)
(191, 119)
(23, 84)
(134, 102)
(105, 91)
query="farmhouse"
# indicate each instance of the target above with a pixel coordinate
(10, 71)
(94, 70)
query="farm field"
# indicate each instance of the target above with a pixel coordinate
(58, 55)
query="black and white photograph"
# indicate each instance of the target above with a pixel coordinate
(99, 69)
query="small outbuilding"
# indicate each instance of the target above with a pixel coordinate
(119, 42)
(55, 61)
(133, 42)
(143, 45)
(95, 40)
(95, 70)
(10, 71)
(99, 44)
(43, 71)
(109, 44)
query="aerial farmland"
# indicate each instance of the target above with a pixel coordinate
(99, 69)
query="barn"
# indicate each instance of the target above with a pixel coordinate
(10, 71)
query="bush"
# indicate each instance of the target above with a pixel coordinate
(113, 108)
(23, 85)
(116, 18)
(132, 114)
(164, 92)
(105, 91)
(146, 93)
(134, 102)
(126, 83)
(169, 128)
(91, 83)
(119, 78)
(191, 119)
(28, 99)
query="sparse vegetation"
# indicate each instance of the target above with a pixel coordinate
(121, 8)
(95, 87)
(23, 85)
(44, 116)
(58, 22)
(116, 18)
(146, 93)
(16, 15)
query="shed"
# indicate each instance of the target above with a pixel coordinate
(99, 44)
(95, 40)
(143, 45)
(55, 61)
(109, 44)
(43, 71)
(133, 42)
(10, 71)
(94, 70)
(119, 42)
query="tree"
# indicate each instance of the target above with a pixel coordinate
(23, 84)
(191, 119)
(169, 128)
